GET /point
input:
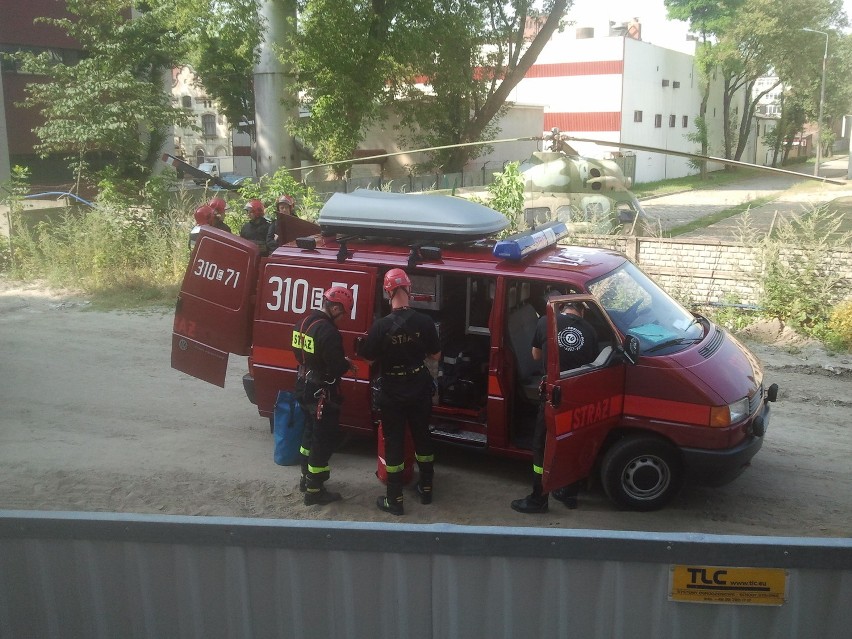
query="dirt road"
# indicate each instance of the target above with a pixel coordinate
(92, 418)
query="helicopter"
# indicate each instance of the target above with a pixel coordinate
(560, 185)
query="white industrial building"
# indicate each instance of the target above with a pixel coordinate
(625, 90)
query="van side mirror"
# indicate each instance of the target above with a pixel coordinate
(630, 348)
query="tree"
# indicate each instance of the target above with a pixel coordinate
(112, 102)
(710, 18)
(222, 39)
(355, 58)
(750, 39)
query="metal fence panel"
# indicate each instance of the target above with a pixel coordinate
(116, 575)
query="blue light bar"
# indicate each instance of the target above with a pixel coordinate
(518, 246)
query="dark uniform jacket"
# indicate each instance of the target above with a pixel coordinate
(400, 342)
(319, 349)
(256, 231)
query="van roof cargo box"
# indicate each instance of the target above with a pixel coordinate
(403, 215)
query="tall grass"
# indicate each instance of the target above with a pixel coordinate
(129, 254)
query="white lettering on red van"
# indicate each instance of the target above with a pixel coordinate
(213, 272)
(298, 296)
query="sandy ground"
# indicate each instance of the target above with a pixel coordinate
(92, 418)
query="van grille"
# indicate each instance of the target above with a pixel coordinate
(754, 400)
(713, 345)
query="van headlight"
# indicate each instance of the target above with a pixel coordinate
(721, 416)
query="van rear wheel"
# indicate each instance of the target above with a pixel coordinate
(641, 473)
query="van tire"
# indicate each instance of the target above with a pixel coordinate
(641, 472)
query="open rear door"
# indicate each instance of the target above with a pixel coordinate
(214, 311)
(582, 403)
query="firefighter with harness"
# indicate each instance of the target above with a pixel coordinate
(318, 347)
(400, 342)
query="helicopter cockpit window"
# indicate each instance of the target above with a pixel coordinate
(595, 173)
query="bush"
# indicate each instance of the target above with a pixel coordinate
(799, 282)
(267, 189)
(839, 328)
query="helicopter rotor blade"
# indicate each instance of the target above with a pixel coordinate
(408, 151)
(566, 137)
(709, 158)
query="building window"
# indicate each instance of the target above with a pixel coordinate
(208, 125)
(186, 102)
(684, 122)
(672, 120)
(658, 120)
(675, 84)
(637, 116)
(199, 156)
(665, 83)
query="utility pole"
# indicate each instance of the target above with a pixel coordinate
(274, 101)
(821, 101)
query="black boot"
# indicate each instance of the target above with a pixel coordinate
(303, 480)
(393, 502)
(394, 508)
(425, 491)
(567, 495)
(424, 484)
(532, 503)
(320, 497)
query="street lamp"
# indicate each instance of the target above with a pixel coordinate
(821, 101)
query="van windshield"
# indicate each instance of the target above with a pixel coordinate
(639, 307)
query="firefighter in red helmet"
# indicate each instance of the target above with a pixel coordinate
(318, 347)
(203, 215)
(400, 342)
(285, 206)
(219, 207)
(257, 226)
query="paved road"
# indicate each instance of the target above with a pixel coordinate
(789, 194)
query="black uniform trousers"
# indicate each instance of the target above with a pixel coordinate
(319, 439)
(416, 413)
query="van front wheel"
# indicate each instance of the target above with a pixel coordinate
(641, 473)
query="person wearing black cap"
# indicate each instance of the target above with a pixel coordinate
(578, 344)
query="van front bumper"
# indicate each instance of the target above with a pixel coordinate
(719, 467)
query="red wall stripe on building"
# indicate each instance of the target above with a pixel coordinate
(592, 121)
(564, 69)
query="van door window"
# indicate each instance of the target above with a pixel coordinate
(637, 306)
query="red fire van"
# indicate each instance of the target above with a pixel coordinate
(671, 396)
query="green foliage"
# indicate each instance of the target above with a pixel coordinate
(731, 316)
(507, 196)
(839, 329)
(352, 59)
(109, 247)
(12, 195)
(223, 40)
(268, 188)
(799, 283)
(112, 101)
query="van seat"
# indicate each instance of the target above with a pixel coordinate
(521, 326)
(601, 359)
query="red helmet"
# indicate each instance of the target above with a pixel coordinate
(218, 204)
(340, 295)
(204, 215)
(255, 209)
(286, 199)
(394, 279)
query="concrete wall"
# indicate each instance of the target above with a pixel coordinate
(700, 272)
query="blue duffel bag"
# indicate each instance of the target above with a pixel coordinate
(288, 424)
